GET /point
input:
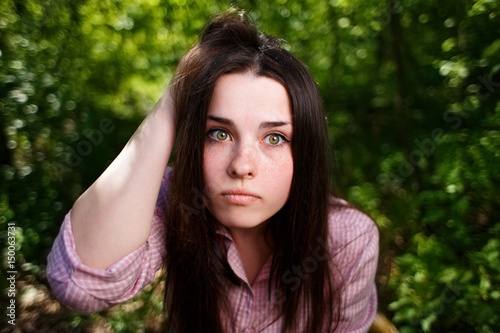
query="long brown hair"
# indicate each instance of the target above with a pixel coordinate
(197, 268)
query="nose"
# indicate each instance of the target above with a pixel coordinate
(243, 163)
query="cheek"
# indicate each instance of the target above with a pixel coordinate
(280, 174)
(213, 165)
(211, 159)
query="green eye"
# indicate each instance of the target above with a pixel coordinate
(221, 135)
(274, 139)
(218, 135)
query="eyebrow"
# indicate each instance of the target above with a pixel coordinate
(263, 125)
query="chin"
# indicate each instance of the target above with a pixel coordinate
(240, 221)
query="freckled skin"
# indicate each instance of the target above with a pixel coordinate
(247, 149)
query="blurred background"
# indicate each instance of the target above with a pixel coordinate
(412, 93)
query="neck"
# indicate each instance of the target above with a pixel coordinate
(254, 247)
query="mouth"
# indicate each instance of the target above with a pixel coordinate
(240, 197)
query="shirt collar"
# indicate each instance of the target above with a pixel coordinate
(224, 232)
(234, 259)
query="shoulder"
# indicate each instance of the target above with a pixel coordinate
(167, 175)
(353, 235)
(354, 245)
(165, 183)
(164, 193)
(346, 223)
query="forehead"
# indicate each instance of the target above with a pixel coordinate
(245, 94)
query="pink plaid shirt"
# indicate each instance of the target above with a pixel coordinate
(353, 237)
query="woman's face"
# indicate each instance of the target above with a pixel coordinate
(248, 162)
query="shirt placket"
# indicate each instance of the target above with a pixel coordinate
(250, 313)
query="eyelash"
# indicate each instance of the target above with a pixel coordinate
(282, 141)
(213, 132)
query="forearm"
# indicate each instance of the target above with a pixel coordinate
(113, 217)
(90, 290)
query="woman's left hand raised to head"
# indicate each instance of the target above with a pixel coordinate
(113, 217)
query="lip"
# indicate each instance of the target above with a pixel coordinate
(240, 196)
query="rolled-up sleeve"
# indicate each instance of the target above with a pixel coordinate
(90, 290)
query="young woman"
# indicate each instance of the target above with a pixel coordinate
(245, 223)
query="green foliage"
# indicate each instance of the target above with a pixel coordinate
(411, 89)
